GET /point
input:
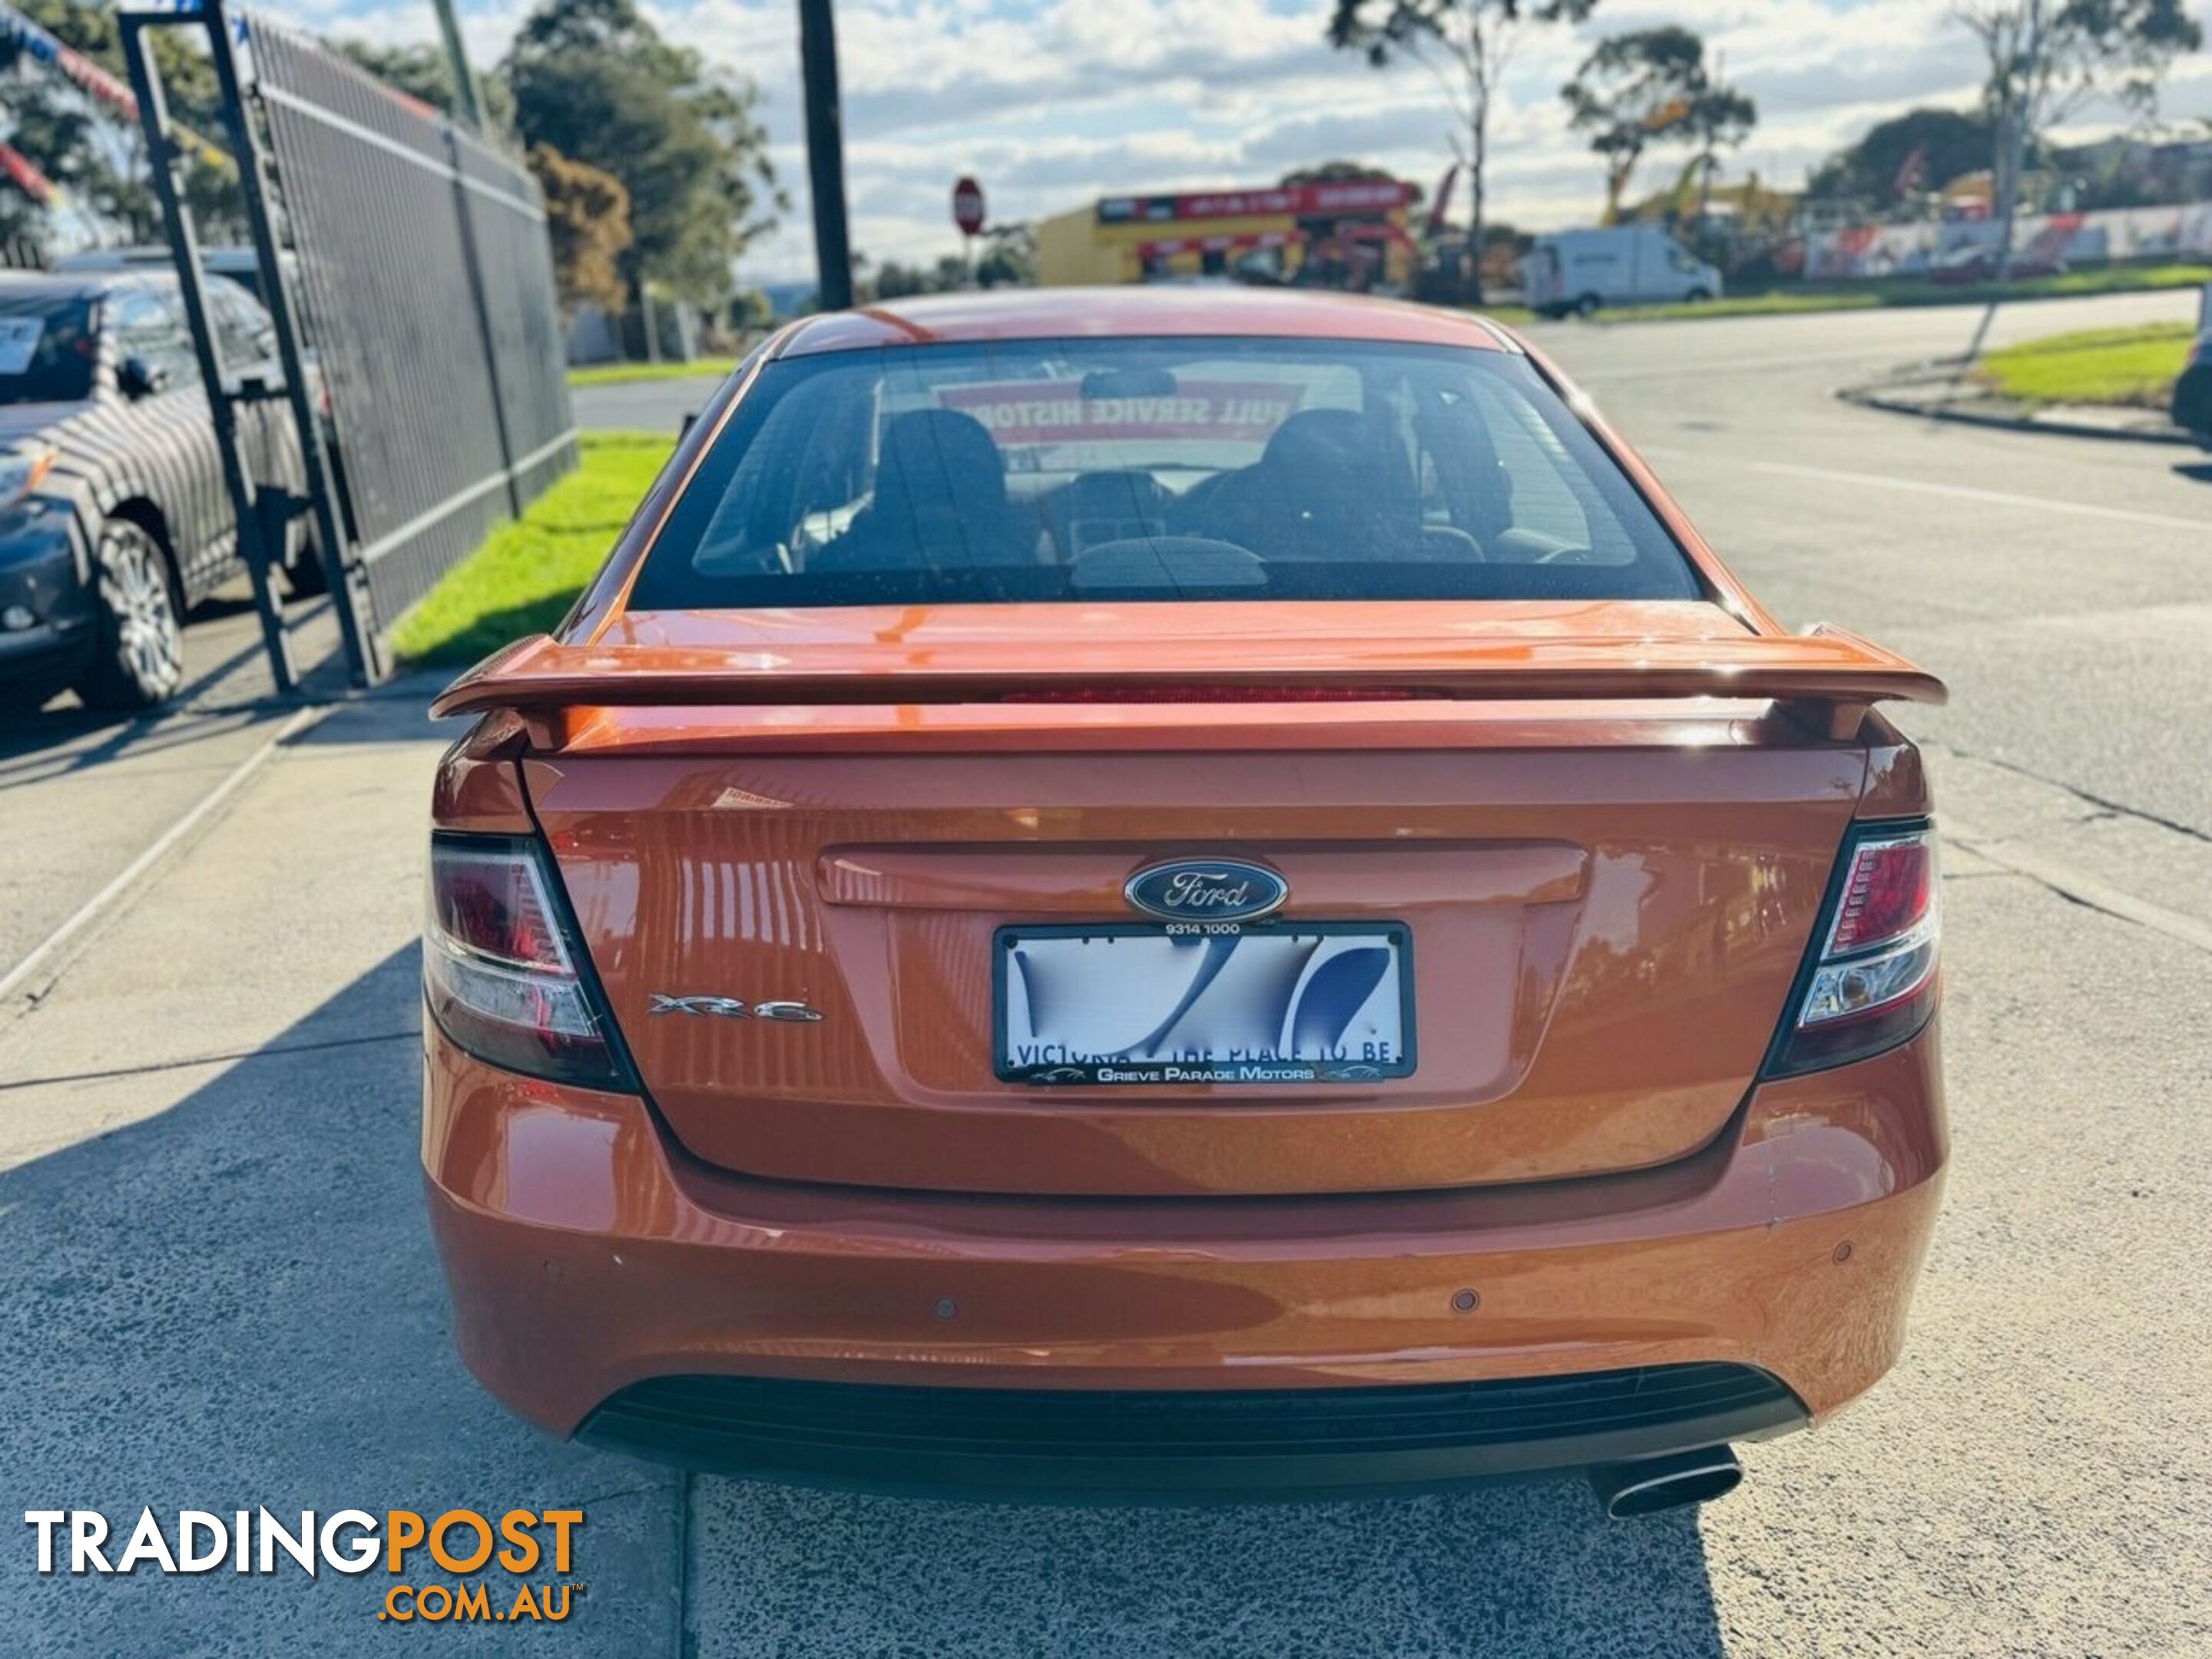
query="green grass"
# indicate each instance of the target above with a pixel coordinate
(699, 368)
(528, 572)
(2126, 279)
(2133, 367)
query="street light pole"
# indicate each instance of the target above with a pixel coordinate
(464, 80)
(825, 153)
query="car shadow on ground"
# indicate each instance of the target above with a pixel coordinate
(232, 1301)
(1522, 1570)
(225, 672)
(41, 750)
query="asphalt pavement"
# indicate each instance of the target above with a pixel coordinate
(641, 405)
(216, 1288)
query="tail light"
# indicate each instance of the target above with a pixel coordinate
(501, 966)
(1872, 983)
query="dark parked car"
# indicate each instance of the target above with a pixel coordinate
(1979, 264)
(2192, 391)
(114, 519)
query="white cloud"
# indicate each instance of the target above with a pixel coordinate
(1053, 103)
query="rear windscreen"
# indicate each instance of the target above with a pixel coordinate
(1191, 469)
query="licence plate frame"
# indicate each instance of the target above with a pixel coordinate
(1286, 1070)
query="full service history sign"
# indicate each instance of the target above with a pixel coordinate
(1018, 413)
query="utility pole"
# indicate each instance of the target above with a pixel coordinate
(2013, 117)
(1705, 168)
(825, 154)
(466, 91)
(2017, 44)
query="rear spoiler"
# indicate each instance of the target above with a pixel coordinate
(1827, 673)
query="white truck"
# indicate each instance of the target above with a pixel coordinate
(1580, 270)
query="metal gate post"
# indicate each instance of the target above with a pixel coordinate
(474, 265)
(162, 157)
(825, 154)
(347, 581)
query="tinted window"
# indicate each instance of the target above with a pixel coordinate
(1156, 469)
(47, 349)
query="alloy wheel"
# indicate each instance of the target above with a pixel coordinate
(149, 640)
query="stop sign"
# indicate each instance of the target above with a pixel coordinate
(968, 206)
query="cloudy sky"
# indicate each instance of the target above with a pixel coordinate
(1053, 103)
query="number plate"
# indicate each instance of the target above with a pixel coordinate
(1284, 1002)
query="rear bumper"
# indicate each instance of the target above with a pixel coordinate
(1213, 1442)
(603, 1281)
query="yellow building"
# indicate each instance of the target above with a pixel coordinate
(1348, 233)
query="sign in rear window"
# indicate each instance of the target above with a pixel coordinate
(1165, 468)
(1018, 412)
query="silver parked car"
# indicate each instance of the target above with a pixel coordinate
(114, 517)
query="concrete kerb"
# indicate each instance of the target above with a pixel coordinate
(1936, 391)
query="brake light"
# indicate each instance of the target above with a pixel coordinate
(1872, 984)
(499, 969)
(1139, 693)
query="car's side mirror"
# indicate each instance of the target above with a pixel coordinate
(141, 377)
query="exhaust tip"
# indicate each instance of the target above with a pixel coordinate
(1650, 1484)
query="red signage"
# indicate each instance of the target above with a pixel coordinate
(1318, 201)
(968, 206)
(1161, 246)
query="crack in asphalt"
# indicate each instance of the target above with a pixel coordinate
(2013, 855)
(2076, 887)
(687, 1637)
(235, 1054)
(53, 955)
(2104, 804)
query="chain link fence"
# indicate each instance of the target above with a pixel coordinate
(428, 289)
(408, 271)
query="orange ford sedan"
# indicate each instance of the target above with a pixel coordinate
(1211, 892)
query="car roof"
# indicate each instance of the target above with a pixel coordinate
(1051, 314)
(79, 284)
(156, 256)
